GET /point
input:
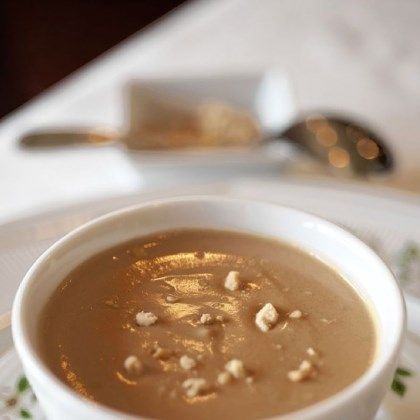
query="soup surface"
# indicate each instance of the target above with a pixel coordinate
(195, 324)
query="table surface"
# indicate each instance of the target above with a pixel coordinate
(359, 57)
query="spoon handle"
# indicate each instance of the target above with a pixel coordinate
(62, 137)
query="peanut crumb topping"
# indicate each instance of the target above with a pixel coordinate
(232, 282)
(194, 386)
(305, 370)
(145, 319)
(295, 314)
(249, 380)
(172, 298)
(133, 365)
(206, 319)
(295, 375)
(311, 351)
(187, 362)
(236, 368)
(267, 317)
(224, 378)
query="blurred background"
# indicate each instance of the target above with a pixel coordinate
(148, 80)
(68, 66)
(40, 45)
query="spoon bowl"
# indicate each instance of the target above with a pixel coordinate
(340, 143)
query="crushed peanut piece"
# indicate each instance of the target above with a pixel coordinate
(187, 362)
(249, 380)
(236, 368)
(224, 378)
(305, 370)
(133, 365)
(232, 281)
(172, 298)
(206, 319)
(200, 357)
(220, 318)
(267, 317)
(194, 386)
(311, 351)
(295, 314)
(295, 375)
(278, 346)
(160, 353)
(145, 319)
(305, 366)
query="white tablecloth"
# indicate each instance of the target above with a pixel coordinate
(360, 57)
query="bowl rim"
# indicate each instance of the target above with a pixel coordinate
(33, 361)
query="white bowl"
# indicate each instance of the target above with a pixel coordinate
(357, 262)
(267, 95)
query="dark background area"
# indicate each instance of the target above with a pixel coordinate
(43, 41)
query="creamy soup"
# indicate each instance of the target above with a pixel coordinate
(203, 324)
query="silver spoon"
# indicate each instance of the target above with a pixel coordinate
(332, 140)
